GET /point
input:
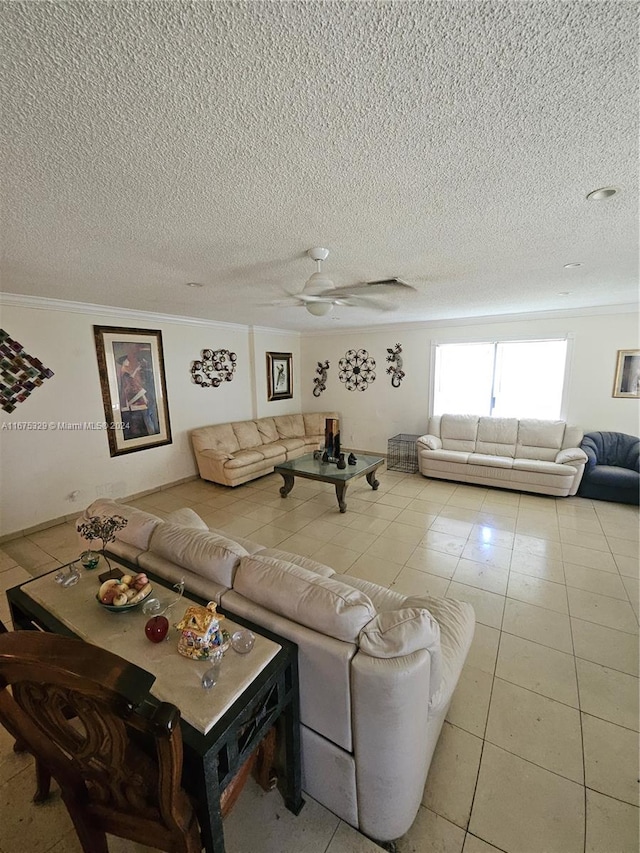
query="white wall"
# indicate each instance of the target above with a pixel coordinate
(370, 417)
(41, 468)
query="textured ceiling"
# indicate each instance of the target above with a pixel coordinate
(150, 144)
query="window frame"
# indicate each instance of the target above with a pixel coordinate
(511, 339)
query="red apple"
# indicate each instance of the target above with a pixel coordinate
(156, 628)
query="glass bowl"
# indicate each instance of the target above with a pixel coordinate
(123, 607)
(242, 641)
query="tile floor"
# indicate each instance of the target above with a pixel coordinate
(539, 753)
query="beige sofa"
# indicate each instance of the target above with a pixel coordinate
(233, 453)
(377, 669)
(527, 455)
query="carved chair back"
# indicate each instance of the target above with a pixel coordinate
(81, 712)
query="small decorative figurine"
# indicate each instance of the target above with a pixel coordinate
(352, 459)
(201, 636)
(325, 457)
(341, 463)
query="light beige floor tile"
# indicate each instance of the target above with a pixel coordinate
(433, 562)
(405, 533)
(467, 501)
(444, 542)
(452, 776)
(425, 507)
(378, 510)
(431, 833)
(624, 548)
(538, 529)
(260, 822)
(608, 694)
(242, 526)
(612, 826)
(12, 763)
(270, 536)
(339, 558)
(492, 555)
(537, 566)
(391, 550)
(602, 610)
(488, 606)
(534, 727)
(486, 534)
(597, 542)
(610, 759)
(537, 545)
(26, 553)
(536, 591)
(349, 840)
(606, 646)
(590, 559)
(459, 513)
(522, 808)
(484, 649)
(482, 576)
(538, 668)
(593, 580)
(583, 523)
(632, 588)
(503, 496)
(452, 526)
(477, 845)
(299, 543)
(374, 526)
(370, 568)
(397, 501)
(497, 520)
(537, 504)
(420, 520)
(470, 704)
(349, 537)
(622, 533)
(538, 625)
(413, 582)
(294, 521)
(323, 529)
(407, 488)
(12, 577)
(6, 561)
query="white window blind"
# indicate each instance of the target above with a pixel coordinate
(519, 379)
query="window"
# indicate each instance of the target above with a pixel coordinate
(516, 379)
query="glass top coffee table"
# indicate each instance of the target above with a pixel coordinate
(327, 472)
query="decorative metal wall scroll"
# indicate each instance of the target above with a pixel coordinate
(395, 368)
(320, 381)
(20, 373)
(357, 370)
(214, 368)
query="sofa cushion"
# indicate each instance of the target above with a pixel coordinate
(219, 437)
(540, 466)
(298, 560)
(323, 604)
(188, 518)
(244, 457)
(459, 432)
(497, 436)
(393, 633)
(290, 426)
(292, 443)
(539, 439)
(448, 455)
(140, 525)
(491, 461)
(205, 553)
(277, 450)
(247, 434)
(267, 429)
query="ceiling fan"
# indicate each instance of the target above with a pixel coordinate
(320, 294)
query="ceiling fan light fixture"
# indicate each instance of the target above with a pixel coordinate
(318, 309)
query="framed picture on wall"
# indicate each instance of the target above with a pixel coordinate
(279, 375)
(134, 389)
(627, 381)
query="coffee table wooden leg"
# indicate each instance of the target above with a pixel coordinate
(289, 480)
(371, 479)
(341, 489)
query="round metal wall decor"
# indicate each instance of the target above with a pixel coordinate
(214, 368)
(357, 370)
(320, 381)
(395, 368)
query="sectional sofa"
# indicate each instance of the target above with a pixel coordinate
(528, 455)
(377, 669)
(236, 452)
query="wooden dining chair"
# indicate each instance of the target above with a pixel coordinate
(80, 711)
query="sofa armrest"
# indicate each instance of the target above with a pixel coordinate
(571, 454)
(216, 455)
(430, 442)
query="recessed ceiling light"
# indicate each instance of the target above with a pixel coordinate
(571, 266)
(194, 284)
(602, 193)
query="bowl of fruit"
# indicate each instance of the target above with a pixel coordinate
(124, 593)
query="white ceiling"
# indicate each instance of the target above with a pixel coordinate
(150, 144)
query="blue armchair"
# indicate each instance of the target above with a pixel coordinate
(612, 472)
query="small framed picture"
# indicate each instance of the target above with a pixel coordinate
(279, 375)
(134, 392)
(627, 381)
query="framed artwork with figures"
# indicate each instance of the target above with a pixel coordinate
(279, 376)
(627, 381)
(134, 390)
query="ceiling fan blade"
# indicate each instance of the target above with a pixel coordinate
(390, 285)
(366, 302)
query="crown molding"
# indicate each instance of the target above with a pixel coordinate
(18, 300)
(560, 314)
